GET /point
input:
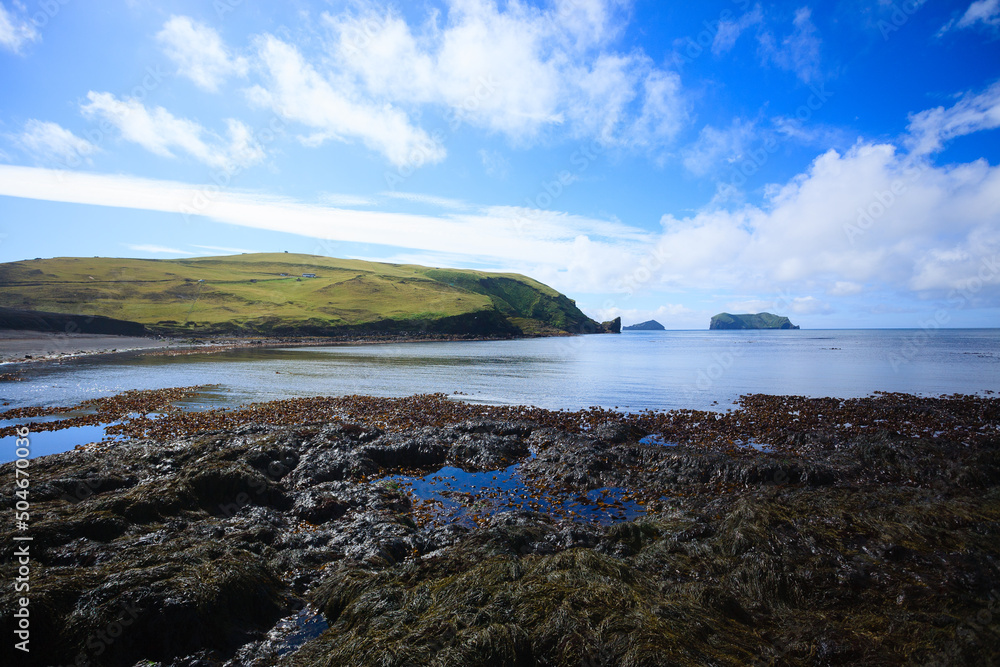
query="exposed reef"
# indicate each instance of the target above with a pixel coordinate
(361, 531)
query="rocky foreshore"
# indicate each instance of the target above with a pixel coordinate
(346, 531)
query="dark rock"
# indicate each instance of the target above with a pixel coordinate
(202, 550)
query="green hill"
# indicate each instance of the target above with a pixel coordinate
(750, 321)
(267, 294)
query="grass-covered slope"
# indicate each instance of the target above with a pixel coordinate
(751, 321)
(267, 294)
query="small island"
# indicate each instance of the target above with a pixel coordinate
(650, 325)
(751, 321)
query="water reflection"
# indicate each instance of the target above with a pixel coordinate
(634, 371)
(452, 495)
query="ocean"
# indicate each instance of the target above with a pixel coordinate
(705, 370)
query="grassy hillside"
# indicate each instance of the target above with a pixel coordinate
(266, 294)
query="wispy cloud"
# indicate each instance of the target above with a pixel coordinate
(161, 133)
(234, 251)
(714, 146)
(156, 249)
(15, 31)
(928, 235)
(199, 53)
(50, 142)
(797, 52)
(730, 31)
(515, 70)
(340, 199)
(494, 163)
(430, 200)
(986, 12)
(509, 235)
(298, 92)
(929, 130)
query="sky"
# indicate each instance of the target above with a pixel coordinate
(835, 162)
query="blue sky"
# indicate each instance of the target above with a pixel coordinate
(836, 162)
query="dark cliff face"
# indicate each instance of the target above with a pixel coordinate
(30, 320)
(614, 326)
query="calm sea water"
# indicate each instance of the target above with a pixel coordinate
(633, 371)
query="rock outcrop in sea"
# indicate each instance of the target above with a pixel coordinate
(649, 325)
(750, 321)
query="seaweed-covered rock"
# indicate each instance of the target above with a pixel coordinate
(788, 531)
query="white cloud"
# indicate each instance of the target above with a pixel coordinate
(845, 288)
(233, 251)
(298, 92)
(520, 71)
(156, 249)
(715, 146)
(867, 219)
(50, 142)
(160, 132)
(812, 133)
(729, 31)
(799, 51)
(800, 305)
(588, 23)
(15, 32)
(547, 239)
(339, 199)
(199, 52)
(431, 200)
(930, 129)
(753, 306)
(986, 12)
(494, 163)
(808, 305)
(869, 216)
(663, 111)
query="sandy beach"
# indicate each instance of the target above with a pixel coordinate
(21, 346)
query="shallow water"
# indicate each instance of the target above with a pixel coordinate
(451, 495)
(635, 371)
(42, 443)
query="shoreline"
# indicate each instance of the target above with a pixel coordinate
(32, 347)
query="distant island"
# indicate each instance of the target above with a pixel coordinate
(280, 295)
(650, 325)
(751, 321)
